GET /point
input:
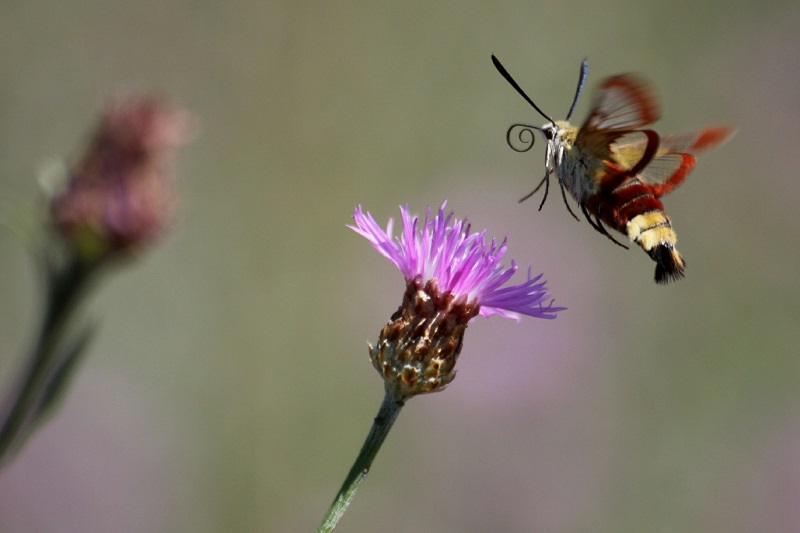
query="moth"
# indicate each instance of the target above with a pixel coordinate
(615, 169)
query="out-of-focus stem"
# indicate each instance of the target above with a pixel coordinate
(66, 287)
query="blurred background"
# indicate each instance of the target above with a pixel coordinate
(229, 388)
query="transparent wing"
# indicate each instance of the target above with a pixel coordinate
(623, 102)
(665, 172)
(675, 156)
(690, 142)
(694, 142)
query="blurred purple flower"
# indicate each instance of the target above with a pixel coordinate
(119, 196)
(451, 275)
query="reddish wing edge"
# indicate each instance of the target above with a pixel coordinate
(675, 157)
(622, 102)
(694, 142)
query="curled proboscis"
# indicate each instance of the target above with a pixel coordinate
(526, 137)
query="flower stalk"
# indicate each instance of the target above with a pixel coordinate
(51, 360)
(384, 420)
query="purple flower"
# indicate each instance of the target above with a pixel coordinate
(463, 263)
(451, 275)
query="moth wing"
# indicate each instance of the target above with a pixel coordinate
(675, 156)
(694, 142)
(625, 102)
(627, 156)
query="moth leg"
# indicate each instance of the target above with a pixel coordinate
(546, 182)
(566, 203)
(598, 226)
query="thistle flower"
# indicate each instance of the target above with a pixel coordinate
(120, 194)
(451, 276)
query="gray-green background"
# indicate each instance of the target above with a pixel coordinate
(229, 388)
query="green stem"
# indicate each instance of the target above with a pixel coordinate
(387, 414)
(66, 286)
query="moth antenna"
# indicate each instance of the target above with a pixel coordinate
(581, 81)
(503, 72)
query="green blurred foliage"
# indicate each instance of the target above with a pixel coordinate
(229, 388)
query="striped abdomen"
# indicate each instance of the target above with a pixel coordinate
(632, 209)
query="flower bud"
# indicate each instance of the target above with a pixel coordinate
(119, 195)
